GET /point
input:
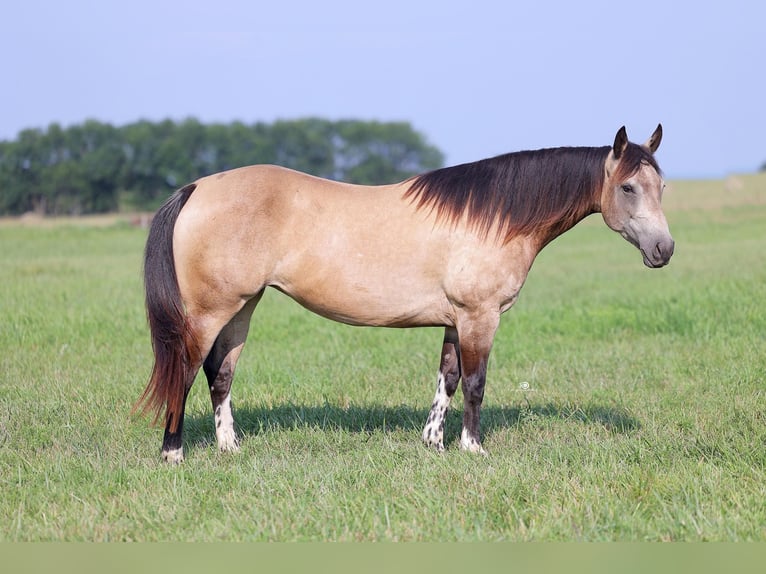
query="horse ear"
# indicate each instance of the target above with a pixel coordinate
(654, 142)
(620, 142)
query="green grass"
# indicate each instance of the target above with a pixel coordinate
(643, 416)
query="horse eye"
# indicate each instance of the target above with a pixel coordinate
(627, 188)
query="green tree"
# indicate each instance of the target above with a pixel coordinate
(143, 175)
(27, 164)
(304, 145)
(101, 161)
(374, 152)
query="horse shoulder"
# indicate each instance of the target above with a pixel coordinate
(482, 273)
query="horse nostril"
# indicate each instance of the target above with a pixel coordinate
(664, 251)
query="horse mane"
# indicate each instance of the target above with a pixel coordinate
(523, 193)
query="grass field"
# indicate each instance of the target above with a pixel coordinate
(622, 403)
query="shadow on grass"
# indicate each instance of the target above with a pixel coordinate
(369, 418)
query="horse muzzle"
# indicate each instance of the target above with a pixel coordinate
(658, 253)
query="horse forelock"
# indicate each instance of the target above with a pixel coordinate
(631, 160)
(519, 193)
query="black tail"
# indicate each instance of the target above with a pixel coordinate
(172, 341)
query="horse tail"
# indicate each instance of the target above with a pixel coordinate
(173, 342)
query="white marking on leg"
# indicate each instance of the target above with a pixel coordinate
(224, 427)
(433, 432)
(470, 444)
(174, 455)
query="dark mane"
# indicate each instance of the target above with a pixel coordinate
(526, 192)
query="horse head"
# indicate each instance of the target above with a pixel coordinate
(631, 197)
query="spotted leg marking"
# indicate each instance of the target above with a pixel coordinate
(433, 432)
(447, 380)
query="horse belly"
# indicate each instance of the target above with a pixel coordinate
(354, 294)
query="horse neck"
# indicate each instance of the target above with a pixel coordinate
(567, 220)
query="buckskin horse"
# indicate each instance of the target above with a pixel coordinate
(450, 248)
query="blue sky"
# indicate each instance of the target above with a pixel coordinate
(477, 78)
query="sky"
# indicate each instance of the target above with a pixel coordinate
(477, 78)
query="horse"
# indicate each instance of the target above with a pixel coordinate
(448, 248)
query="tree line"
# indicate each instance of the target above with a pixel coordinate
(95, 167)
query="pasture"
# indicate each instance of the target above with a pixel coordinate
(622, 403)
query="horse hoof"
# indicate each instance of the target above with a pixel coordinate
(229, 447)
(438, 447)
(470, 444)
(428, 440)
(227, 441)
(173, 456)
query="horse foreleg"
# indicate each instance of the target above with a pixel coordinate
(476, 338)
(219, 369)
(447, 380)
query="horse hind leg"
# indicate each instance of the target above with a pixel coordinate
(447, 381)
(219, 369)
(205, 329)
(172, 440)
